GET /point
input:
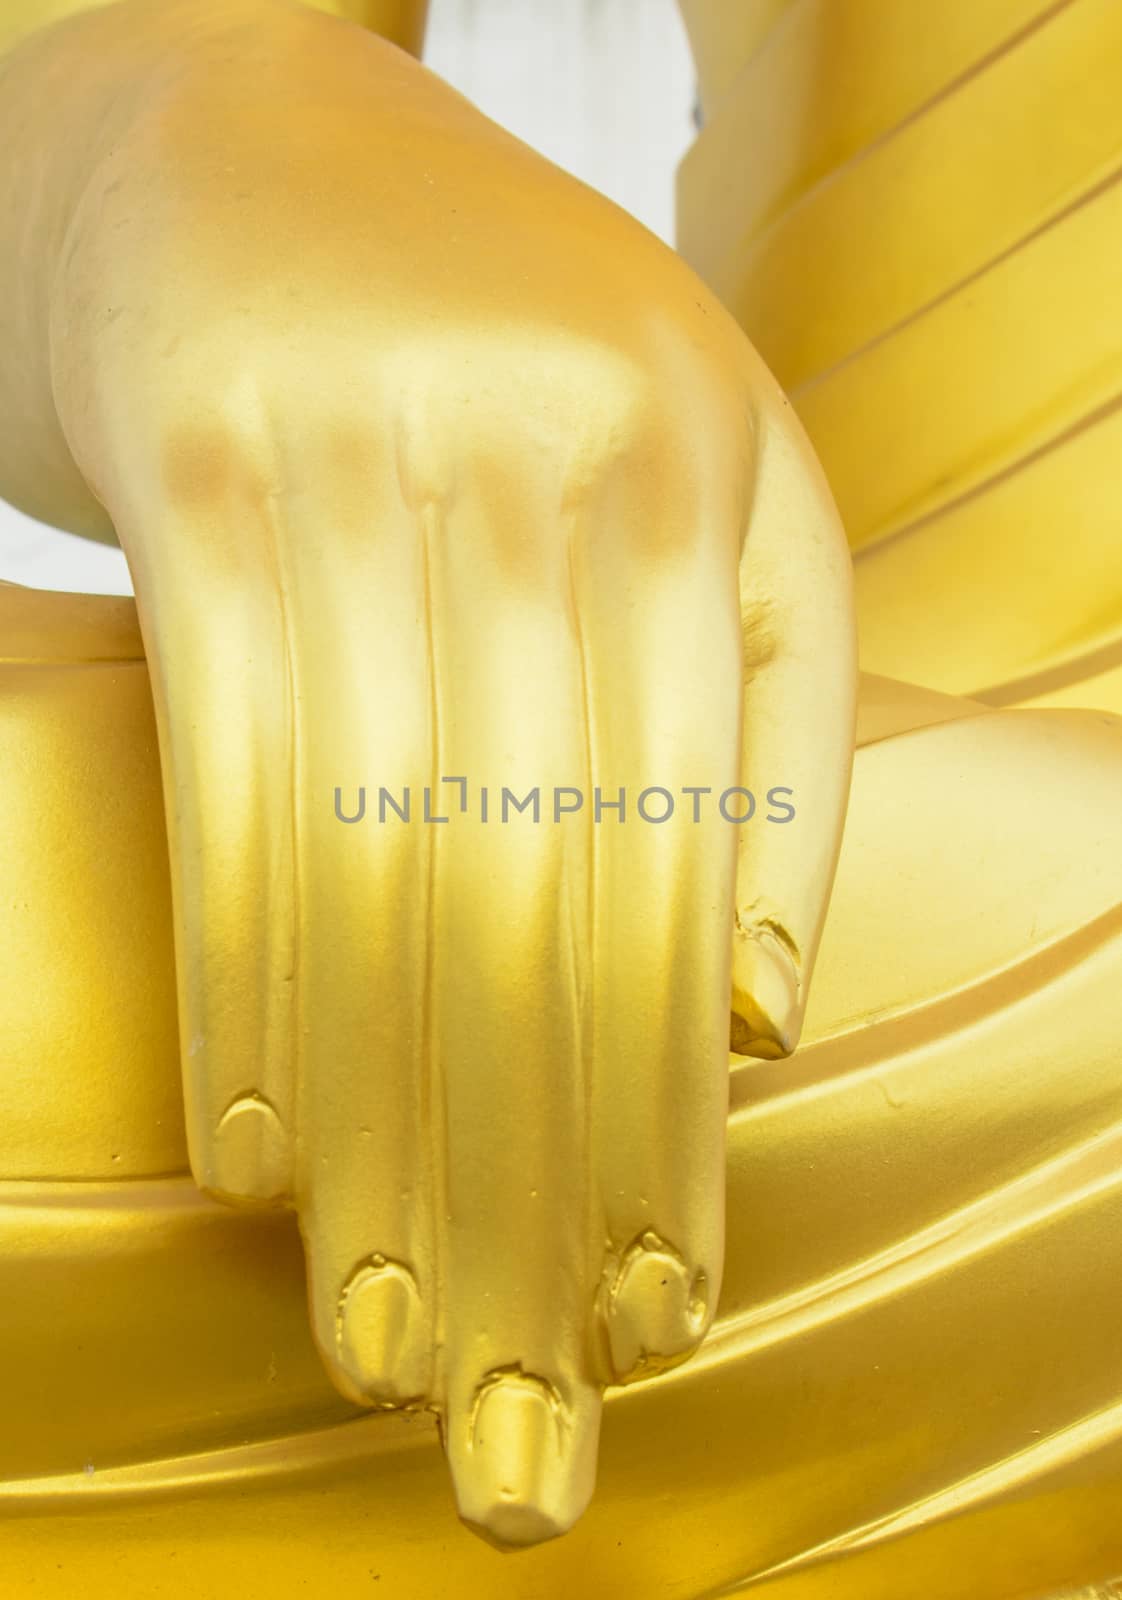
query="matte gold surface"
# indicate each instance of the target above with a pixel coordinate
(909, 1379)
(415, 501)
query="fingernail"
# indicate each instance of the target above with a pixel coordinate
(766, 1001)
(658, 1310)
(249, 1158)
(380, 1334)
(530, 1465)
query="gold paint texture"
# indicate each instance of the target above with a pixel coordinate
(345, 1169)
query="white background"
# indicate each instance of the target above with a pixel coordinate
(602, 87)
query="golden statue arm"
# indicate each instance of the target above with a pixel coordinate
(413, 501)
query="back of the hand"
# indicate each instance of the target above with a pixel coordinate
(437, 475)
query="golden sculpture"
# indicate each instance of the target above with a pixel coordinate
(912, 1367)
(936, 216)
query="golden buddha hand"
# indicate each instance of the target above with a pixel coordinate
(436, 475)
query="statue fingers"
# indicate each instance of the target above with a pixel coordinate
(664, 656)
(799, 707)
